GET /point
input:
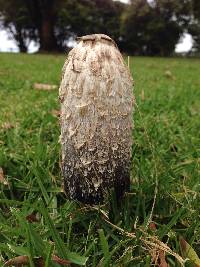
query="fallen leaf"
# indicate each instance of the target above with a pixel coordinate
(169, 75)
(17, 261)
(55, 113)
(162, 260)
(152, 226)
(39, 261)
(2, 177)
(45, 86)
(24, 260)
(142, 95)
(158, 257)
(32, 218)
(189, 252)
(60, 261)
(7, 126)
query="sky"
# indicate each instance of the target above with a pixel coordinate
(8, 45)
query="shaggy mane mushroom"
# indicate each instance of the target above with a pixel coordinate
(96, 120)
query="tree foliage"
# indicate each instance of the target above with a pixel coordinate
(154, 28)
(53, 22)
(14, 17)
(142, 27)
(194, 27)
(44, 14)
(81, 17)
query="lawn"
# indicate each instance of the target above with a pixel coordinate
(161, 212)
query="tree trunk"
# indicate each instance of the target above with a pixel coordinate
(22, 48)
(46, 34)
(43, 14)
(20, 39)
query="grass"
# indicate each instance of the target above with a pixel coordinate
(35, 218)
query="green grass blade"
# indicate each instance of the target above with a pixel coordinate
(105, 247)
(49, 255)
(61, 247)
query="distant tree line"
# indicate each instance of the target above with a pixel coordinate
(141, 27)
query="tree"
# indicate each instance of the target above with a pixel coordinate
(134, 27)
(142, 27)
(154, 28)
(31, 20)
(53, 22)
(82, 17)
(194, 26)
(14, 17)
(44, 15)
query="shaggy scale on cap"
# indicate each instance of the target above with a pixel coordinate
(96, 120)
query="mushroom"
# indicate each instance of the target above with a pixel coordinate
(96, 120)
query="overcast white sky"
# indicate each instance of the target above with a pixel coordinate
(8, 45)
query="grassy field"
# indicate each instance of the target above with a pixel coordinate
(161, 212)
